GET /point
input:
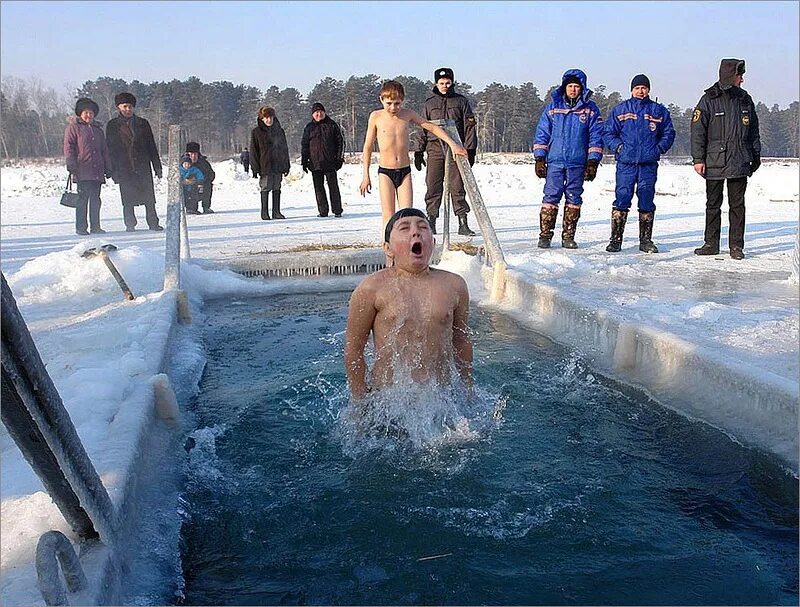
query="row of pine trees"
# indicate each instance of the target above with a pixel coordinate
(220, 115)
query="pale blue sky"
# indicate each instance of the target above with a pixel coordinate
(677, 44)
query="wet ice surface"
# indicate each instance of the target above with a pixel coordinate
(555, 486)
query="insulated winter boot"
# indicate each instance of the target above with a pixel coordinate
(547, 221)
(737, 253)
(276, 205)
(568, 226)
(646, 232)
(463, 227)
(265, 206)
(618, 219)
(432, 222)
(707, 249)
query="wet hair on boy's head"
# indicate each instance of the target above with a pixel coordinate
(265, 111)
(392, 89)
(399, 215)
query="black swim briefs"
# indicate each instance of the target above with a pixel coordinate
(396, 175)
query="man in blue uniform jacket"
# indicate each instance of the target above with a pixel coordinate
(638, 132)
(568, 148)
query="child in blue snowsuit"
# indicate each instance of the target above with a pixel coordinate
(192, 179)
(638, 131)
(568, 148)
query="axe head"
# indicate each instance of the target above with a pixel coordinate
(94, 251)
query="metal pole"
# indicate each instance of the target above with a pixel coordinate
(40, 425)
(172, 247)
(446, 197)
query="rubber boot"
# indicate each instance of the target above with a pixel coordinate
(568, 226)
(432, 222)
(547, 222)
(618, 219)
(646, 232)
(463, 226)
(276, 205)
(265, 206)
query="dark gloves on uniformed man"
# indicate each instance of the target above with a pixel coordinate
(255, 175)
(541, 168)
(755, 164)
(304, 163)
(591, 170)
(339, 163)
(471, 157)
(419, 160)
(159, 173)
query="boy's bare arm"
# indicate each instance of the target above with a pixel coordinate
(360, 318)
(369, 143)
(462, 344)
(436, 130)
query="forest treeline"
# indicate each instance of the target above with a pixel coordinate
(220, 115)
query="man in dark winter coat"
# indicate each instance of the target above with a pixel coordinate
(725, 145)
(244, 158)
(269, 159)
(201, 162)
(133, 151)
(445, 103)
(637, 131)
(322, 148)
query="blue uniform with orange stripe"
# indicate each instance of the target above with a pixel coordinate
(568, 136)
(638, 131)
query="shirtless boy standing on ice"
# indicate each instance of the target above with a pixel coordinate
(416, 314)
(391, 127)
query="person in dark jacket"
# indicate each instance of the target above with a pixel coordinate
(206, 188)
(244, 158)
(322, 151)
(133, 151)
(637, 131)
(87, 162)
(269, 159)
(445, 103)
(567, 149)
(725, 145)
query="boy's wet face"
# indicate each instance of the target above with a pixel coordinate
(392, 104)
(411, 243)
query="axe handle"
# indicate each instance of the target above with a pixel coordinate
(117, 276)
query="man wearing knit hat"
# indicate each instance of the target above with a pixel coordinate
(638, 131)
(133, 151)
(322, 151)
(725, 145)
(445, 103)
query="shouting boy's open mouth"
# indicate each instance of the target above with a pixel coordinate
(416, 248)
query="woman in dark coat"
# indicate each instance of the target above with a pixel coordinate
(133, 150)
(269, 158)
(88, 163)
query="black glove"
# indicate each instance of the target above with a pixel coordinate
(419, 160)
(471, 157)
(591, 170)
(305, 165)
(159, 173)
(541, 168)
(755, 164)
(255, 175)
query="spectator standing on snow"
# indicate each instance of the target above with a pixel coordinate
(568, 148)
(133, 151)
(725, 145)
(87, 160)
(445, 104)
(244, 158)
(637, 131)
(322, 151)
(192, 179)
(206, 189)
(269, 160)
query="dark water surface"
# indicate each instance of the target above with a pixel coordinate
(568, 489)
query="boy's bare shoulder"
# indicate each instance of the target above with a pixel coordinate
(450, 278)
(409, 116)
(374, 281)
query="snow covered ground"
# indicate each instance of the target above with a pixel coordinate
(99, 348)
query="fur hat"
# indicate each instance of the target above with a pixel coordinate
(728, 70)
(640, 80)
(193, 146)
(84, 103)
(443, 72)
(125, 98)
(317, 106)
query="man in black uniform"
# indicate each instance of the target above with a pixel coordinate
(201, 162)
(445, 103)
(725, 145)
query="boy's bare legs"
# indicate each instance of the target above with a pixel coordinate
(388, 197)
(405, 194)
